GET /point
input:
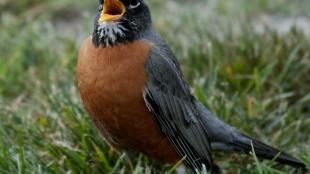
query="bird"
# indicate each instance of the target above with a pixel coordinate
(135, 93)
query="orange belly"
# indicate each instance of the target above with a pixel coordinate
(111, 82)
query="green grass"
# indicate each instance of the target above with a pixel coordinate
(260, 83)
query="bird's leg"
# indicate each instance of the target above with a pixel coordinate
(181, 169)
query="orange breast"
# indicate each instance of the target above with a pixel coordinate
(111, 82)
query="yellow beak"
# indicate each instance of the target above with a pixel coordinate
(112, 11)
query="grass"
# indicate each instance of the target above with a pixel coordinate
(258, 82)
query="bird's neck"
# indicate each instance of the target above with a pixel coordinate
(110, 35)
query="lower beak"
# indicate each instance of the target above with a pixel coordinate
(112, 10)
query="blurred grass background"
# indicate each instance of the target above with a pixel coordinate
(247, 61)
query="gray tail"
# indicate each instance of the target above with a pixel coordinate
(243, 143)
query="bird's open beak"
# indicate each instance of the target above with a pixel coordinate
(112, 10)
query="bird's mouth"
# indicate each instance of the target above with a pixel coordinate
(112, 11)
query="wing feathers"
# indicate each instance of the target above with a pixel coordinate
(168, 97)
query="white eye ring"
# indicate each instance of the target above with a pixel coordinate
(134, 6)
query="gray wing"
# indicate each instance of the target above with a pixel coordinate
(168, 97)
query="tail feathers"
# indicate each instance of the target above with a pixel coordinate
(244, 143)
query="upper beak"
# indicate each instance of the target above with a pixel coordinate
(112, 10)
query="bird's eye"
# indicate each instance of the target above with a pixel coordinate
(134, 4)
(100, 7)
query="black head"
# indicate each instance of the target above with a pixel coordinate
(120, 21)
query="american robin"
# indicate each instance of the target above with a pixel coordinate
(134, 91)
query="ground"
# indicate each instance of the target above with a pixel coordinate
(245, 61)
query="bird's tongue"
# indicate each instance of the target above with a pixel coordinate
(113, 7)
(113, 10)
